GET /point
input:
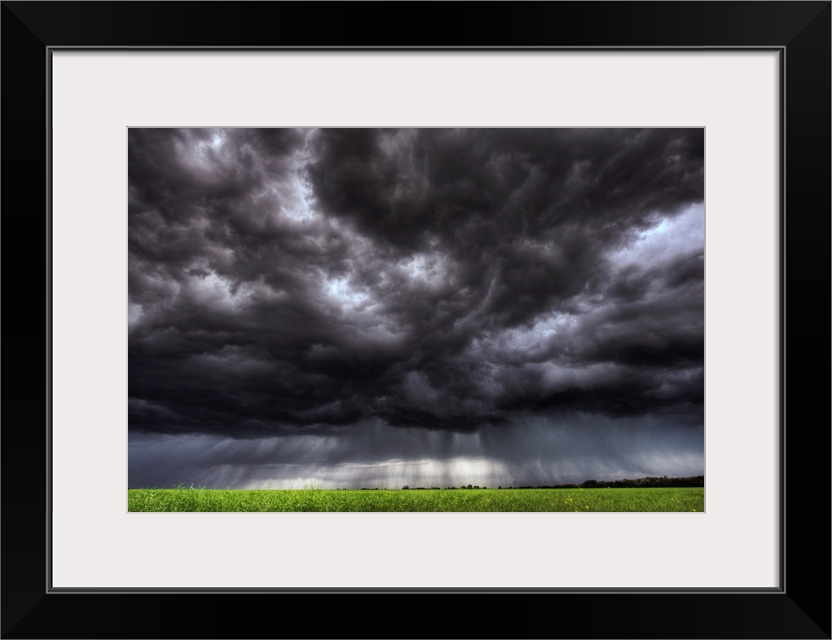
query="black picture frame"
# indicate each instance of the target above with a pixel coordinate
(799, 608)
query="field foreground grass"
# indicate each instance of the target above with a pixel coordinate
(688, 499)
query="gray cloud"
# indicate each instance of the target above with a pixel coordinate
(285, 281)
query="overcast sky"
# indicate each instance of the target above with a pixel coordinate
(432, 307)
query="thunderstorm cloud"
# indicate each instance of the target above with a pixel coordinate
(354, 306)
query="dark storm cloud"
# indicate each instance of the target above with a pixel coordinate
(471, 187)
(286, 281)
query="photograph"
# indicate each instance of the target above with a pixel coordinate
(416, 319)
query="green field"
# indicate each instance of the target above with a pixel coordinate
(567, 500)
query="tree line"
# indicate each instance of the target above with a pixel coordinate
(649, 481)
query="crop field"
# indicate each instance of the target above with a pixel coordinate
(655, 499)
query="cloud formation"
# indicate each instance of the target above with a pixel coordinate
(293, 281)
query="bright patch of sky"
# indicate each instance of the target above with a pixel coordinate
(391, 474)
(343, 294)
(665, 240)
(216, 140)
(425, 268)
(297, 198)
(532, 338)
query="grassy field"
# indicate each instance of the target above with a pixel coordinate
(466, 500)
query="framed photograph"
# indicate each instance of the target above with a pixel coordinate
(589, 229)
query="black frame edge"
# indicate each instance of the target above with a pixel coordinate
(801, 610)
